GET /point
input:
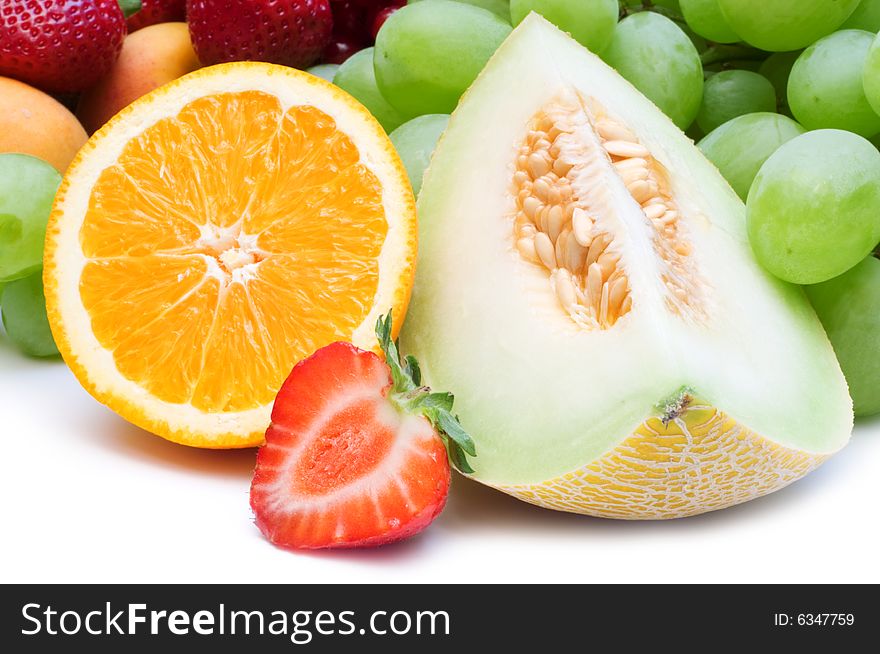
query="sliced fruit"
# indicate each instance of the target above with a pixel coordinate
(591, 297)
(216, 232)
(355, 453)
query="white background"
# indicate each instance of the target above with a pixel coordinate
(87, 497)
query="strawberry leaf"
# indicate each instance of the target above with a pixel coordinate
(452, 427)
(402, 380)
(442, 401)
(458, 458)
(411, 397)
(411, 367)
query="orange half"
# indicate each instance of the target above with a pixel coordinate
(216, 232)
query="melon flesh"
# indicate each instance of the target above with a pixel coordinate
(662, 375)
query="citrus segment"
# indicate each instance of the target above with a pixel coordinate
(221, 229)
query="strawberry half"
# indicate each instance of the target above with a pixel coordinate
(60, 46)
(288, 32)
(356, 454)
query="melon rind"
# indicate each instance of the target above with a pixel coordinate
(700, 461)
(548, 405)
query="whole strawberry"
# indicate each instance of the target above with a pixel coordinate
(288, 32)
(157, 11)
(60, 46)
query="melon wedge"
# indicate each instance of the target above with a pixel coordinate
(585, 286)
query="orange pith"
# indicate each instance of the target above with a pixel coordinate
(177, 216)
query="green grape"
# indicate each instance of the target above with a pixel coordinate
(24, 316)
(849, 308)
(591, 22)
(733, 93)
(782, 25)
(706, 19)
(825, 86)
(324, 71)
(415, 142)
(500, 8)
(739, 147)
(658, 58)
(777, 68)
(865, 17)
(813, 210)
(428, 53)
(27, 190)
(871, 75)
(357, 77)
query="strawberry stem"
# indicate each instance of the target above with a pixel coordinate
(129, 7)
(413, 398)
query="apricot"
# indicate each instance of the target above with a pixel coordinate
(34, 123)
(150, 57)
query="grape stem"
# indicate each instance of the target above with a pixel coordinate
(648, 5)
(719, 53)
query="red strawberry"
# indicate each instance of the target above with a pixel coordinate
(289, 32)
(382, 15)
(356, 454)
(157, 11)
(60, 46)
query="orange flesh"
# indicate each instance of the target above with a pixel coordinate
(233, 265)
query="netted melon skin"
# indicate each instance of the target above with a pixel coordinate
(702, 460)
